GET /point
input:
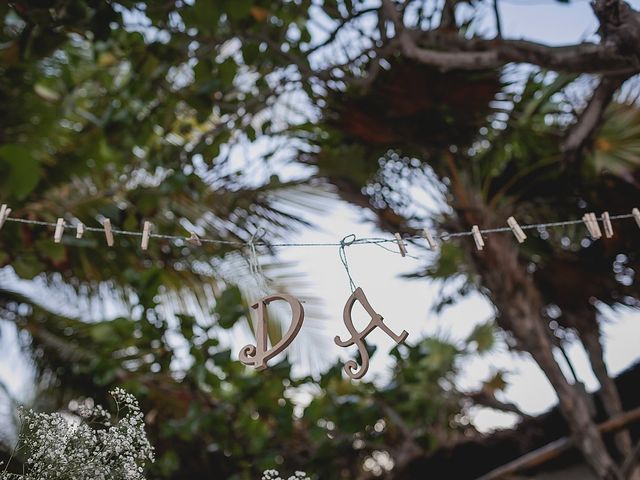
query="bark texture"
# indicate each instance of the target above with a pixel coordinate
(520, 311)
(609, 393)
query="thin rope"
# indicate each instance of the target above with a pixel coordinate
(255, 267)
(347, 241)
(396, 251)
(356, 241)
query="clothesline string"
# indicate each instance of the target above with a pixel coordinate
(357, 241)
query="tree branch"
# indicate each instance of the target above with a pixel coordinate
(554, 449)
(619, 25)
(478, 54)
(396, 420)
(390, 11)
(334, 33)
(448, 15)
(496, 14)
(631, 462)
(488, 399)
(408, 449)
(590, 118)
(449, 50)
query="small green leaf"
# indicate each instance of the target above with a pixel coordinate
(250, 53)
(229, 308)
(221, 358)
(27, 266)
(496, 383)
(483, 336)
(206, 13)
(227, 71)
(102, 332)
(55, 251)
(239, 9)
(24, 170)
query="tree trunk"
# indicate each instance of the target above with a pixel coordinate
(520, 308)
(575, 410)
(609, 395)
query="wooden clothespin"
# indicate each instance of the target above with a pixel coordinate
(516, 229)
(587, 223)
(586, 218)
(4, 214)
(146, 232)
(401, 245)
(57, 235)
(636, 214)
(596, 226)
(106, 224)
(79, 230)
(429, 238)
(591, 223)
(477, 237)
(194, 240)
(606, 222)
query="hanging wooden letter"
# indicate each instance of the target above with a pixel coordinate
(357, 338)
(260, 354)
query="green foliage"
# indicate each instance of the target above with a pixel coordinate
(617, 148)
(218, 414)
(102, 118)
(132, 111)
(22, 172)
(496, 383)
(229, 308)
(449, 264)
(483, 337)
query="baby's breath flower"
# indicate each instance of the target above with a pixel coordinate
(275, 475)
(60, 446)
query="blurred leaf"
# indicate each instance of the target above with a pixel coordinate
(24, 170)
(238, 9)
(496, 383)
(229, 307)
(450, 262)
(483, 336)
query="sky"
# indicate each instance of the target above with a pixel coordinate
(406, 304)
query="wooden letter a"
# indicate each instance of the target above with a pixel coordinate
(357, 338)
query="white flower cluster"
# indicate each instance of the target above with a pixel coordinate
(90, 448)
(275, 475)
